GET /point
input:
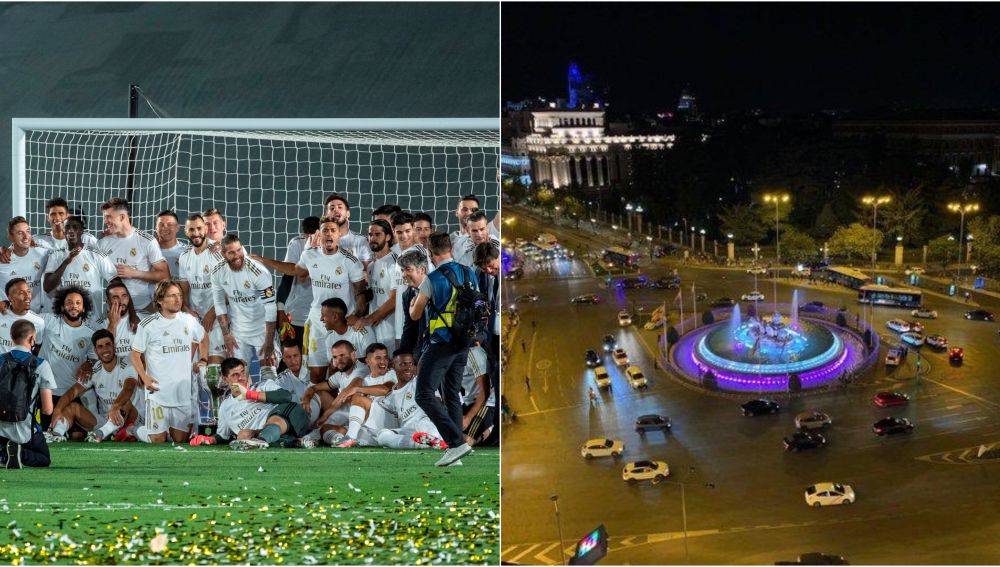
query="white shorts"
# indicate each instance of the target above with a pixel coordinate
(314, 344)
(246, 347)
(216, 342)
(160, 418)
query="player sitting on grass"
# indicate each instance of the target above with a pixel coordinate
(259, 417)
(365, 419)
(414, 430)
(344, 370)
(113, 381)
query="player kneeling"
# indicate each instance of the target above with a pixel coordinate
(113, 382)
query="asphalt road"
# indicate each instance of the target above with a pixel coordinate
(922, 499)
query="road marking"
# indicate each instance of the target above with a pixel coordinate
(953, 407)
(523, 553)
(964, 393)
(543, 364)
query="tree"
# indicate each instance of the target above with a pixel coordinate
(986, 230)
(855, 240)
(743, 222)
(797, 246)
(514, 190)
(545, 197)
(941, 249)
(988, 258)
(826, 223)
(904, 215)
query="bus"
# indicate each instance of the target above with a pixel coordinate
(621, 256)
(891, 296)
(849, 277)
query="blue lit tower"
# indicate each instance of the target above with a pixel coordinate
(581, 88)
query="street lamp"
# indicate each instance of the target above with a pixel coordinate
(962, 209)
(776, 199)
(683, 484)
(629, 208)
(702, 232)
(638, 217)
(874, 202)
(562, 547)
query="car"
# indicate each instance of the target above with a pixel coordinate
(602, 377)
(912, 339)
(894, 357)
(624, 318)
(914, 270)
(937, 341)
(526, 298)
(752, 296)
(602, 448)
(924, 313)
(759, 406)
(593, 360)
(898, 325)
(756, 270)
(609, 342)
(956, 355)
(652, 422)
(889, 398)
(812, 307)
(803, 440)
(816, 558)
(829, 494)
(632, 283)
(916, 326)
(586, 298)
(722, 302)
(645, 470)
(801, 271)
(979, 315)
(636, 378)
(667, 283)
(812, 420)
(620, 357)
(892, 426)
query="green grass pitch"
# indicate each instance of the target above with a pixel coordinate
(130, 503)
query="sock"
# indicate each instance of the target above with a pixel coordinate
(270, 433)
(332, 436)
(314, 435)
(60, 427)
(393, 439)
(107, 430)
(355, 422)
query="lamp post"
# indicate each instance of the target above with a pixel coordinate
(684, 522)
(962, 209)
(756, 252)
(693, 230)
(776, 199)
(638, 218)
(629, 208)
(874, 202)
(562, 547)
(730, 248)
(702, 232)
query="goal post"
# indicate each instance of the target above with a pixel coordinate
(265, 175)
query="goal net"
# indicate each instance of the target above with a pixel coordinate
(264, 175)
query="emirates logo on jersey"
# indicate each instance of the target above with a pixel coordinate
(86, 267)
(246, 284)
(132, 252)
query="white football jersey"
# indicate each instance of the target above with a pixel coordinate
(138, 251)
(167, 345)
(108, 385)
(332, 276)
(237, 415)
(196, 269)
(123, 334)
(294, 383)
(31, 267)
(464, 250)
(172, 255)
(360, 339)
(401, 403)
(300, 297)
(9, 318)
(477, 365)
(340, 380)
(356, 244)
(66, 348)
(384, 277)
(49, 241)
(91, 270)
(250, 292)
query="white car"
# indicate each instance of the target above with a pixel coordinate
(602, 448)
(645, 470)
(898, 325)
(937, 341)
(894, 357)
(752, 296)
(636, 379)
(624, 318)
(756, 270)
(924, 313)
(829, 494)
(620, 357)
(914, 270)
(602, 377)
(912, 339)
(802, 271)
(812, 420)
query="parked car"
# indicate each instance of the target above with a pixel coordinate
(602, 448)
(624, 318)
(757, 270)
(602, 377)
(892, 426)
(636, 379)
(894, 357)
(812, 420)
(801, 271)
(759, 406)
(889, 398)
(816, 558)
(586, 298)
(829, 494)
(526, 298)
(722, 302)
(752, 296)
(652, 422)
(912, 339)
(937, 341)
(667, 283)
(633, 283)
(924, 313)
(914, 270)
(979, 315)
(620, 357)
(645, 470)
(898, 325)
(593, 360)
(609, 342)
(956, 355)
(804, 440)
(812, 307)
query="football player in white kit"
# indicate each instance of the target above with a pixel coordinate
(195, 267)
(18, 291)
(479, 400)
(22, 260)
(415, 430)
(366, 418)
(57, 211)
(248, 288)
(167, 227)
(135, 253)
(336, 325)
(384, 277)
(336, 207)
(81, 265)
(345, 371)
(168, 340)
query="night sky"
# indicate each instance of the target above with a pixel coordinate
(776, 57)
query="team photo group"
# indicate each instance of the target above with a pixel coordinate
(386, 337)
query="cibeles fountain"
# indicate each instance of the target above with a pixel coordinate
(765, 351)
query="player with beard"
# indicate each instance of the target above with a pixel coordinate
(135, 253)
(167, 227)
(336, 207)
(365, 418)
(23, 260)
(345, 371)
(477, 226)
(384, 278)
(57, 212)
(195, 267)
(162, 353)
(66, 341)
(423, 226)
(19, 292)
(248, 289)
(295, 293)
(80, 266)
(334, 319)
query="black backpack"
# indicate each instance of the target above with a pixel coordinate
(471, 317)
(17, 382)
